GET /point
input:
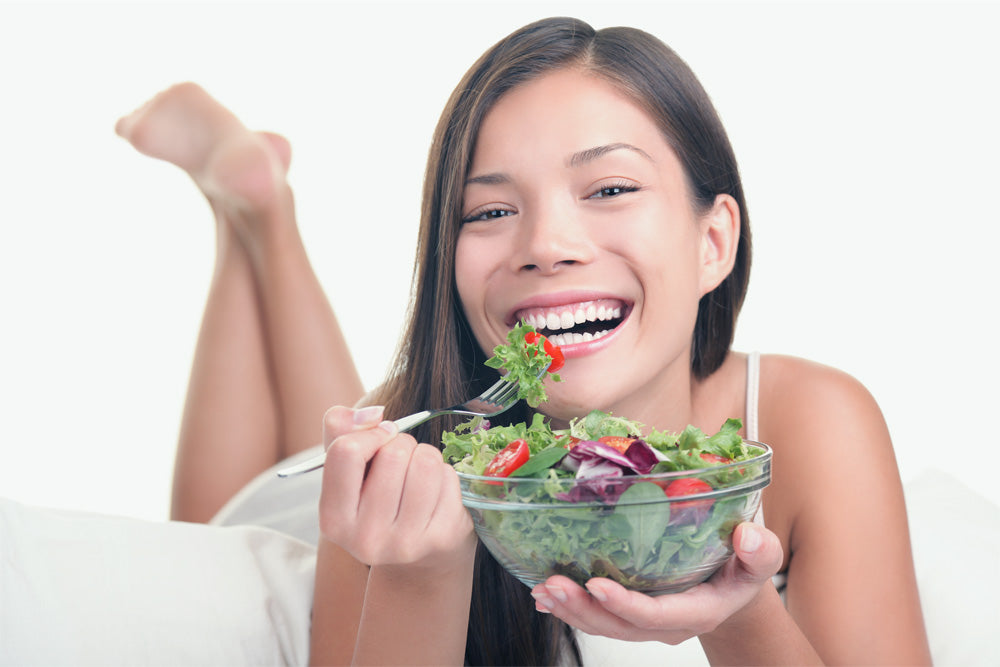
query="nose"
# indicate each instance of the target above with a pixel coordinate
(551, 239)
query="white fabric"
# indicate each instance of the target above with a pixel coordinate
(286, 504)
(753, 394)
(955, 536)
(85, 589)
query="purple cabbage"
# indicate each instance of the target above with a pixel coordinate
(600, 467)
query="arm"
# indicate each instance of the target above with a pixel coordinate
(834, 507)
(393, 504)
(851, 583)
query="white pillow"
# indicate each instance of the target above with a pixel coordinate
(955, 534)
(84, 589)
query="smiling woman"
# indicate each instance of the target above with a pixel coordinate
(601, 189)
(576, 169)
(579, 180)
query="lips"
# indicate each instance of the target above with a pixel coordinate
(578, 322)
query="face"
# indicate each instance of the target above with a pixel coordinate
(578, 219)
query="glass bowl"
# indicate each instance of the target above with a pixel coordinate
(625, 528)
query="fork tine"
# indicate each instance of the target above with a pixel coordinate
(498, 388)
(506, 394)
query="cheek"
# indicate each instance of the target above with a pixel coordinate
(464, 269)
(470, 276)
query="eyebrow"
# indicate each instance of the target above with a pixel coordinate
(575, 160)
(488, 179)
(592, 154)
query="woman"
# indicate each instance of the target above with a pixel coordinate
(571, 166)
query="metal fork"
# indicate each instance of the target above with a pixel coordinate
(499, 398)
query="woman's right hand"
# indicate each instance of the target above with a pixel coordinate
(387, 499)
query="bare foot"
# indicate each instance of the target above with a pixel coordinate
(242, 173)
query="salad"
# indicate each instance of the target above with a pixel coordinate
(600, 498)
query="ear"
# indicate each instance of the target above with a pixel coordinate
(720, 235)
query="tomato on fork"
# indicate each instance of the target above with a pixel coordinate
(558, 359)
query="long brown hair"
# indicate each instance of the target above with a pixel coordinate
(439, 361)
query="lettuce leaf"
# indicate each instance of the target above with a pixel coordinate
(524, 363)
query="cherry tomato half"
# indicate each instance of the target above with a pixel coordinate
(619, 442)
(687, 487)
(558, 358)
(508, 459)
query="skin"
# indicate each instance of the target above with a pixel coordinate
(391, 518)
(257, 393)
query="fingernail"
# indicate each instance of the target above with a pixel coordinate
(368, 415)
(557, 592)
(542, 602)
(749, 538)
(389, 427)
(597, 593)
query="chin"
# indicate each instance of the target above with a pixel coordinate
(565, 403)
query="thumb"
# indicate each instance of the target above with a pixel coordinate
(758, 551)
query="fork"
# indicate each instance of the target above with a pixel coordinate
(501, 397)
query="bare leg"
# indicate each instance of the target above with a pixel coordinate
(270, 357)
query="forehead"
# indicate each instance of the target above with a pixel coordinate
(563, 112)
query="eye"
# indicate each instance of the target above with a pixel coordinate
(614, 190)
(487, 214)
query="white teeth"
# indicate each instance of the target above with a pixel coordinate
(570, 338)
(567, 317)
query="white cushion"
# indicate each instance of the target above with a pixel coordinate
(82, 589)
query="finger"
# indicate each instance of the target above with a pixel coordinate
(637, 610)
(566, 600)
(382, 488)
(758, 552)
(450, 510)
(421, 490)
(340, 420)
(416, 534)
(344, 474)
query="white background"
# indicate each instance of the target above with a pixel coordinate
(867, 137)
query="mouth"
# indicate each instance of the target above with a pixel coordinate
(574, 323)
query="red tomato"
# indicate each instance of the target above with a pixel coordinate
(619, 442)
(508, 459)
(558, 359)
(570, 441)
(715, 458)
(687, 487)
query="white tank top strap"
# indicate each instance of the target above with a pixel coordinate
(752, 426)
(753, 393)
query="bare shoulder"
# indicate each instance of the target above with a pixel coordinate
(836, 503)
(825, 428)
(798, 397)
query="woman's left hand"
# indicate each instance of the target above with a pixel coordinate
(613, 611)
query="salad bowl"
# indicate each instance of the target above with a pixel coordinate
(631, 529)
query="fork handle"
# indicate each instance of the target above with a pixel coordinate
(403, 424)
